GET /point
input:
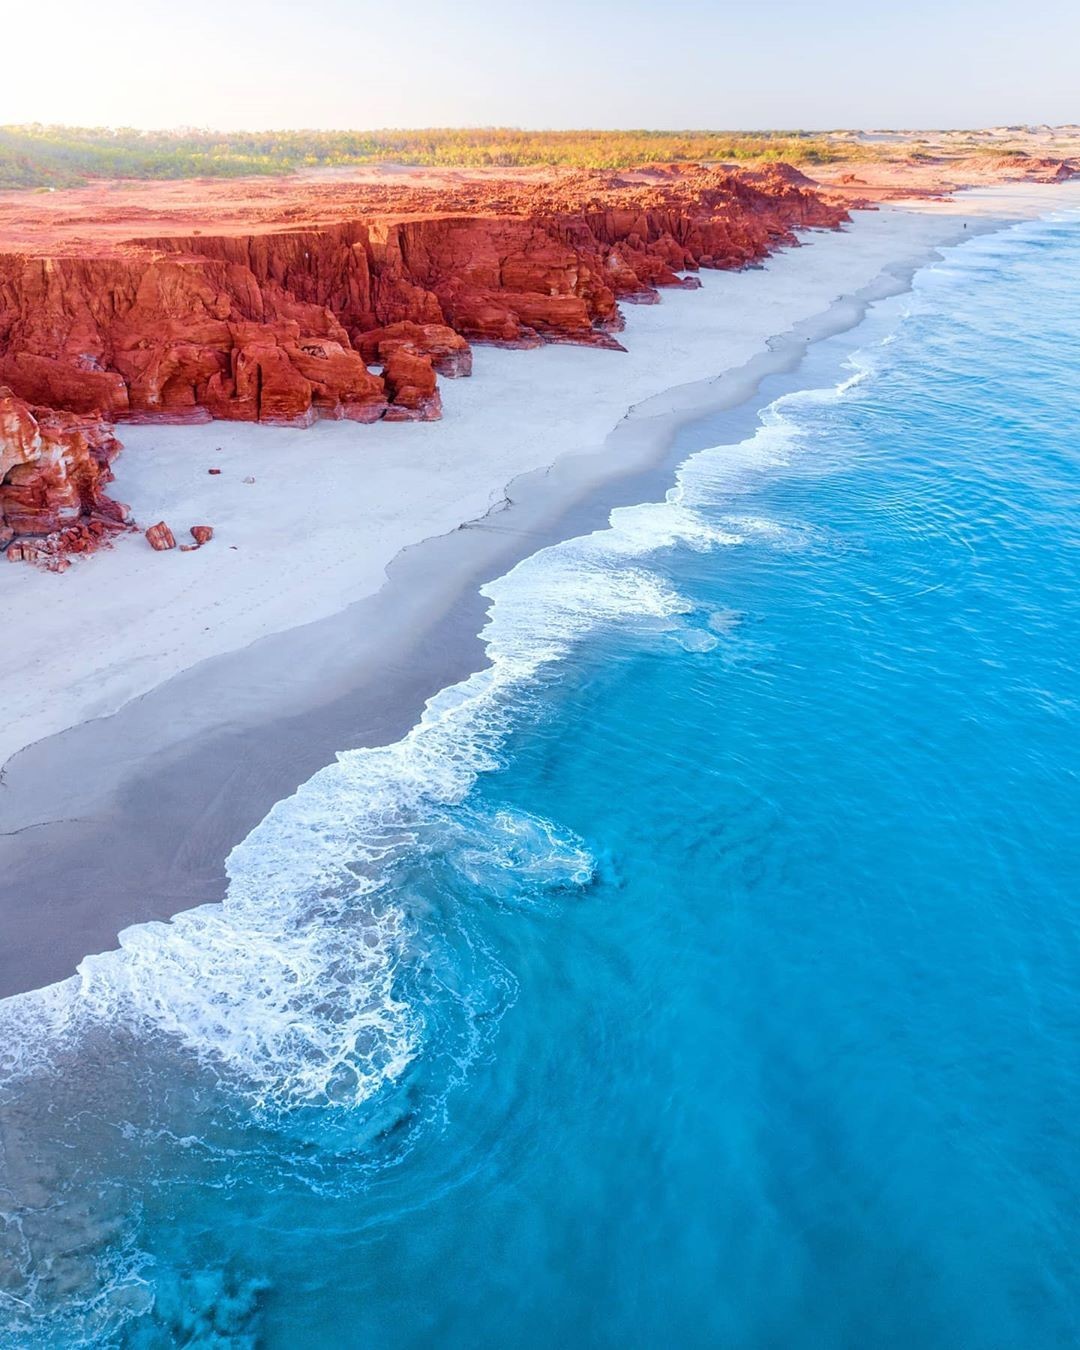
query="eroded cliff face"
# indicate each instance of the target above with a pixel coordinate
(352, 316)
(54, 467)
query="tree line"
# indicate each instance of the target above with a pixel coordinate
(38, 156)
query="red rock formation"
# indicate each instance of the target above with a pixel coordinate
(450, 354)
(277, 323)
(411, 386)
(54, 467)
(270, 319)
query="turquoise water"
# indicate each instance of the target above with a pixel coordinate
(703, 973)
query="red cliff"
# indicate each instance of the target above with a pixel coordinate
(273, 303)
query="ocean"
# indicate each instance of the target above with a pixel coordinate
(705, 971)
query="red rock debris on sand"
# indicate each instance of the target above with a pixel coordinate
(202, 534)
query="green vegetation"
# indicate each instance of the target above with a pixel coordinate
(48, 156)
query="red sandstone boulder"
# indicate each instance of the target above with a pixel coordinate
(160, 537)
(202, 534)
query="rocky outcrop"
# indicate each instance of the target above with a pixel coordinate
(448, 351)
(411, 387)
(54, 467)
(270, 319)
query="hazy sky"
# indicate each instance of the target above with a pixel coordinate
(544, 63)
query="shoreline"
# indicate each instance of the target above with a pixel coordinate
(129, 816)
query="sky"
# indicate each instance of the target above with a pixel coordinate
(661, 64)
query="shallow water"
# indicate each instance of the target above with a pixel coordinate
(703, 972)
